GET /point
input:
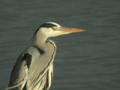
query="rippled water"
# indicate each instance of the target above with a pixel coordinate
(84, 61)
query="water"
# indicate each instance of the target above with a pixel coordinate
(84, 61)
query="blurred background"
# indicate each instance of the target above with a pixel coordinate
(84, 61)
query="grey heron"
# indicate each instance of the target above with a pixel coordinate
(33, 69)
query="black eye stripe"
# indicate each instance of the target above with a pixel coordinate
(48, 25)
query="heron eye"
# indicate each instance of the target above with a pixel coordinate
(54, 28)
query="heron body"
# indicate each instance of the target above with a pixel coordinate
(33, 69)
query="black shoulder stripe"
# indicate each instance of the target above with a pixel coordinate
(28, 59)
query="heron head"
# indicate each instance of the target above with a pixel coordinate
(52, 29)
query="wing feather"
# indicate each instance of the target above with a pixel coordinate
(19, 73)
(31, 69)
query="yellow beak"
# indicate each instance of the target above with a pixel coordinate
(72, 30)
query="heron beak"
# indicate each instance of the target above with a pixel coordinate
(64, 30)
(71, 30)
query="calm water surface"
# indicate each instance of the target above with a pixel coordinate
(84, 61)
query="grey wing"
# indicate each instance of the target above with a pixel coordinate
(40, 71)
(19, 73)
(32, 70)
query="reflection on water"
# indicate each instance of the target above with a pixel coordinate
(84, 61)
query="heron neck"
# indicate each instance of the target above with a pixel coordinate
(40, 41)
